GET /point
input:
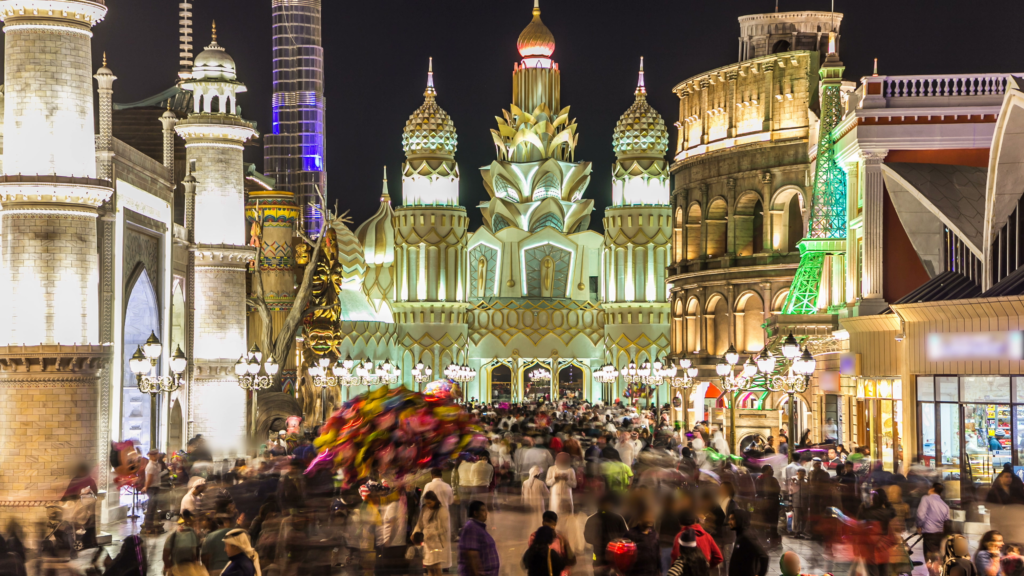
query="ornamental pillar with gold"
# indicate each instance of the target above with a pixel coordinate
(430, 243)
(637, 236)
(274, 214)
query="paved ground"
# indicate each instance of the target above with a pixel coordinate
(511, 530)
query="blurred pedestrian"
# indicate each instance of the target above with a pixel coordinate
(986, 559)
(561, 479)
(12, 565)
(648, 557)
(768, 491)
(478, 555)
(691, 561)
(748, 557)
(540, 558)
(601, 528)
(244, 559)
(130, 560)
(956, 561)
(435, 526)
(181, 554)
(536, 497)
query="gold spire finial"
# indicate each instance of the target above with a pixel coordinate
(385, 197)
(641, 88)
(215, 31)
(104, 58)
(431, 92)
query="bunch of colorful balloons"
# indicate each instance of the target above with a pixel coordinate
(393, 432)
(441, 388)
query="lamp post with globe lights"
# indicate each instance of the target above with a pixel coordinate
(795, 381)
(733, 383)
(143, 364)
(248, 373)
(606, 375)
(681, 379)
(421, 373)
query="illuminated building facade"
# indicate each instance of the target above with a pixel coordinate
(740, 201)
(533, 287)
(295, 151)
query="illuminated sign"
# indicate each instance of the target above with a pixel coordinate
(975, 346)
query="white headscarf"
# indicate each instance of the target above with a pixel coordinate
(239, 538)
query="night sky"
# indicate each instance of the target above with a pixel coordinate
(377, 50)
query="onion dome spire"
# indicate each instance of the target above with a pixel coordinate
(536, 41)
(377, 235)
(641, 130)
(640, 87)
(429, 130)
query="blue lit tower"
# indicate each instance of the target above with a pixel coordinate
(295, 153)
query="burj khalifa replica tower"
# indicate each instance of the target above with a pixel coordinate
(295, 153)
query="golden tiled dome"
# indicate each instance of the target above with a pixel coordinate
(641, 130)
(429, 130)
(536, 41)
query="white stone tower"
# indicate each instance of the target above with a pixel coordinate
(215, 213)
(50, 355)
(430, 241)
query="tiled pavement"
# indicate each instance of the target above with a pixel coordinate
(511, 530)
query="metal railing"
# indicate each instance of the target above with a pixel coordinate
(945, 85)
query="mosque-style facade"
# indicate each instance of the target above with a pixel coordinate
(534, 287)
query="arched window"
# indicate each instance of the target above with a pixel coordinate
(677, 237)
(717, 321)
(749, 317)
(693, 240)
(749, 223)
(780, 46)
(718, 222)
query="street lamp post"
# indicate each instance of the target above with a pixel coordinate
(143, 365)
(683, 384)
(732, 384)
(606, 375)
(249, 379)
(795, 381)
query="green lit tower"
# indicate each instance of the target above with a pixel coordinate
(827, 231)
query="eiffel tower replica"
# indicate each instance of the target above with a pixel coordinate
(806, 310)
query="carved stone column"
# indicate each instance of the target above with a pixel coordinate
(704, 84)
(872, 230)
(730, 224)
(702, 250)
(731, 76)
(769, 94)
(766, 201)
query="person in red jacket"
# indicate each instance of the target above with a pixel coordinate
(705, 541)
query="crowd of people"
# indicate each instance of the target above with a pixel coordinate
(574, 488)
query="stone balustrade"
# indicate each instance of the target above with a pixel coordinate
(945, 85)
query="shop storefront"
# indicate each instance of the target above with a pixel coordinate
(969, 427)
(879, 422)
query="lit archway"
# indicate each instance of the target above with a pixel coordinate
(693, 232)
(141, 318)
(717, 227)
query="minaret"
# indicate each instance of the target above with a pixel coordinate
(50, 352)
(637, 231)
(430, 241)
(105, 142)
(214, 134)
(295, 153)
(185, 38)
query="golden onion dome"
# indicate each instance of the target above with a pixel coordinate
(377, 235)
(536, 41)
(429, 130)
(641, 130)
